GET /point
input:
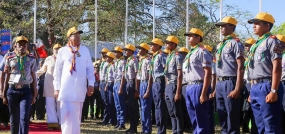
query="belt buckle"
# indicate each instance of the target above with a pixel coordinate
(18, 86)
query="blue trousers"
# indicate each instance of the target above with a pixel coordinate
(267, 115)
(283, 112)
(187, 123)
(19, 103)
(120, 104)
(133, 105)
(145, 109)
(174, 109)
(199, 113)
(158, 89)
(211, 116)
(110, 105)
(103, 95)
(228, 108)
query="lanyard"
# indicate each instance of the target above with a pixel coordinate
(21, 62)
(168, 60)
(225, 41)
(253, 49)
(187, 58)
(141, 62)
(127, 64)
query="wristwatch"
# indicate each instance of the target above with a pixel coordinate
(273, 91)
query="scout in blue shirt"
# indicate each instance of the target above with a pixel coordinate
(199, 64)
(174, 77)
(282, 40)
(130, 74)
(230, 70)
(264, 64)
(120, 88)
(156, 83)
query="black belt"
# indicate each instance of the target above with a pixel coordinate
(184, 84)
(195, 82)
(262, 80)
(159, 79)
(102, 80)
(19, 86)
(227, 78)
(144, 80)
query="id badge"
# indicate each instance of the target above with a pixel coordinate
(17, 78)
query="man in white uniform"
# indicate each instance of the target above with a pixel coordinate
(73, 67)
(52, 106)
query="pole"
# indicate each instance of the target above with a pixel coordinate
(35, 20)
(221, 15)
(153, 19)
(96, 28)
(260, 5)
(126, 23)
(187, 22)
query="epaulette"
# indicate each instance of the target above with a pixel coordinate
(237, 39)
(30, 55)
(203, 48)
(273, 36)
(134, 58)
(161, 52)
(11, 56)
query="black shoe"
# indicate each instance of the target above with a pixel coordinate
(121, 128)
(116, 126)
(127, 131)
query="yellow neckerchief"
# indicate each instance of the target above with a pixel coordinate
(21, 63)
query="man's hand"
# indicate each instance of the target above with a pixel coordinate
(146, 95)
(271, 97)
(177, 97)
(203, 98)
(56, 93)
(212, 96)
(136, 94)
(33, 100)
(234, 94)
(120, 91)
(5, 101)
(105, 89)
(90, 90)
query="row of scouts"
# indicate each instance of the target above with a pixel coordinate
(165, 80)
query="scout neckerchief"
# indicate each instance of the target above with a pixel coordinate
(168, 60)
(102, 64)
(21, 63)
(108, 69)
(253, 49)
(225, 41)
(154, 56)
(118, 61)
(127, 64)
(73, 64)
(192, 50)
(141, 62)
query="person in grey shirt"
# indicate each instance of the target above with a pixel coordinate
(156, 83)
(230, 71)
(174, 77)
(264, 64)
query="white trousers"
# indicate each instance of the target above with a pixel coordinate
(70, 116)
(52, 107)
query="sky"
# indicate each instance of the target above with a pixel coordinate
(274, 7)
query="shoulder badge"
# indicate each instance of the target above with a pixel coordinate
(237, 39)
(161, 52)
(11, 56)
(134, 58)
(273, 36)
(177, 53)
(203, 48)
(30, 55)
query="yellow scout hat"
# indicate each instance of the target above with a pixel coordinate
(156, 41)
(262, 16)
(227, 20)
(183, 49)
(73, 30)
(172, 39)
(195, 31)
(249, 41)
(55, 46)
(280, 37)
(104, 50)
(166, 51)
(130, 47)
(118, 49)
(144, 46)
(21, 38)
(208, 47)
(110, 54)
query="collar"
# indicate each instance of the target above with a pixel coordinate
(264, 36)
(231, 36)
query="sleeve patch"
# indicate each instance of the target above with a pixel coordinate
(273, 36)
(278, 48)
(237, 39)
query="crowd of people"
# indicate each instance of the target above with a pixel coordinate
(176, 87)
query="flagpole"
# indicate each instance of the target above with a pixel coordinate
(221, 12)
(96, 28)
(35, 20)
(187, 22)
(126, 23)
(153, 19)
(260, 5)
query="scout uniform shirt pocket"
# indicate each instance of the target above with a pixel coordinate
(260, 55)
(228, 53)
(194, 60)
(172, 65)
